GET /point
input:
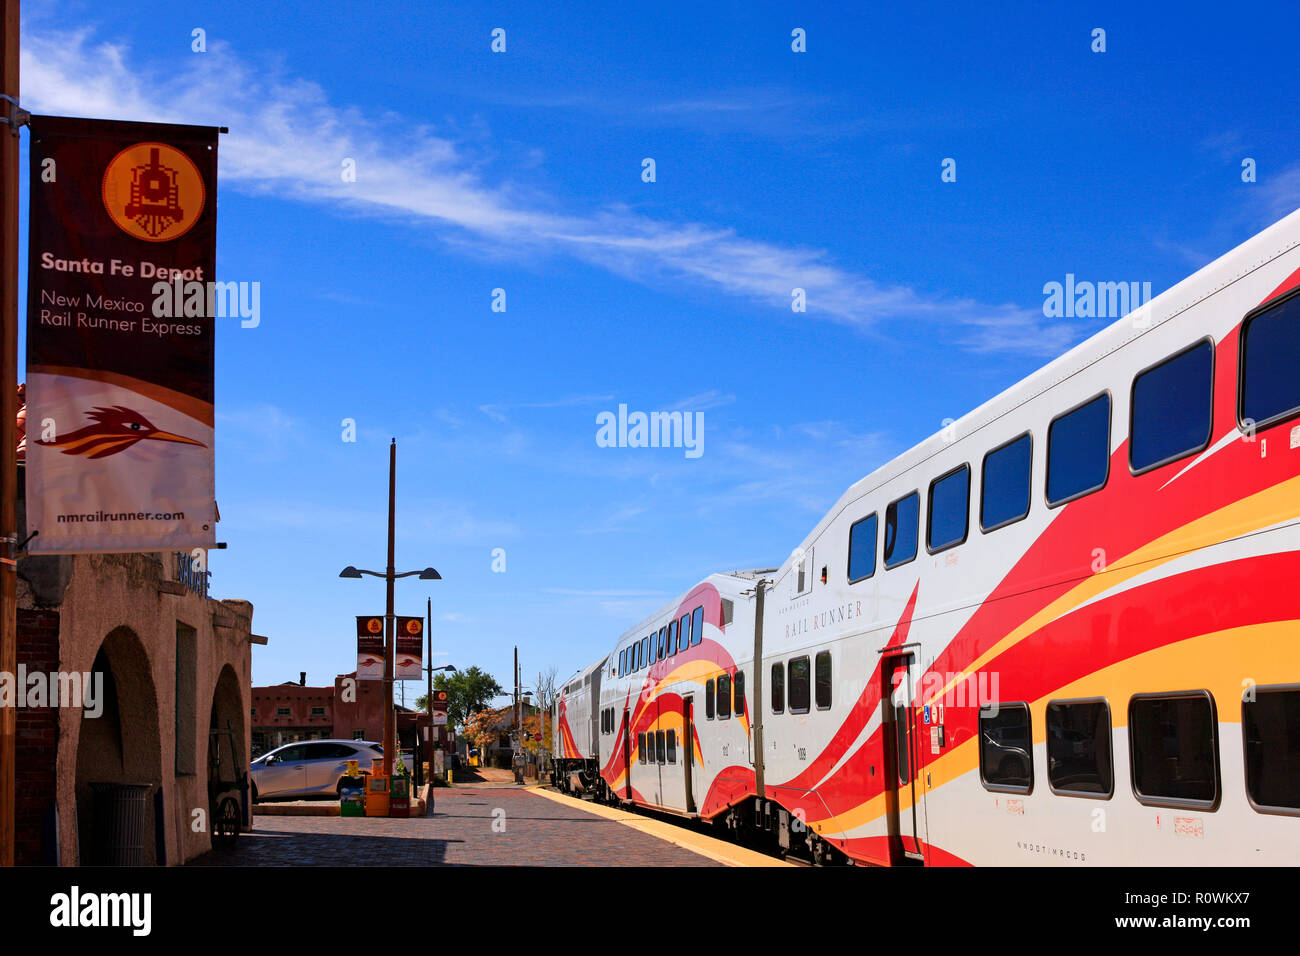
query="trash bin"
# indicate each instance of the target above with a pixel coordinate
(377, 795)
(352, 797)
(399, 797)
(117, 823)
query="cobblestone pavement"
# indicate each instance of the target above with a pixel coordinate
(537, 832)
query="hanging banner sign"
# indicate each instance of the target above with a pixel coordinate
(410, 647)
(370, 647)
(120, 331)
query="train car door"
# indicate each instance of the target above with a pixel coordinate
(655, 753)
(686, 748)
(899, 724)
(627, 753)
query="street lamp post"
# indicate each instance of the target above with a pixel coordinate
(428, 699)
(389, 576)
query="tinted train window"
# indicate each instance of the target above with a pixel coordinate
(640, 746)
(671, 646)
(1270, 347)
(901, 521)
(800, 692)
(1270, 727)
(1078, 451)
(1006, 748)
(1172, 408)
(822, 679)
(738, 693)
(670, 737)
(1004, 487)
(948, 509)
(645, 653)
(697, 626)
(1173, 744)
(724, 697)
(862, 548)
(778, 688)
(708, 699)
(661, 753)
(684, 632)
(1078, 747)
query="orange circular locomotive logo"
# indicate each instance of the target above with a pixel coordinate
(374, 625)
(413, 626)
(153, 192)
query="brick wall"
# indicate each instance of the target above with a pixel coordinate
(38, 737)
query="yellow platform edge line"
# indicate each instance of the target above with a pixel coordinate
(706, 846)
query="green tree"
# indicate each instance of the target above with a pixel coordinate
(468, 691)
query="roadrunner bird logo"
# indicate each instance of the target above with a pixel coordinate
(112, 430)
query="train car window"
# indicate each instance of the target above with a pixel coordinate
(661, 754)
(645, 652)
(902, 519)
(1078, 748)
(800, 692)
(723, 702)
(1006, 746)
(728, 609)
(1270, 345)
(684, 632)
(1270, 729)
(948, 510)
(670, 737)
(778, 688)
(663, 644)
(708, 698)
(1078, 451)
(697, 625)
(1174, 749)
(1005, 483)
(862, 549)
(738, 693)
(822, 679)
(640, 747)
(672, 639)
(1172, 409)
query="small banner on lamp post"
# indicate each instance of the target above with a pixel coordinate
(410, 647)
(370, 647)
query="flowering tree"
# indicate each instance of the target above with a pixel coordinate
(481, 726)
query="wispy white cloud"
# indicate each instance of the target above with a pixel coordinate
(289, 137)
(497, 411)
(578, 592)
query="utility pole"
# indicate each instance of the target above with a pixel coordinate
(8, 418)
(390, 642)
(428, 699)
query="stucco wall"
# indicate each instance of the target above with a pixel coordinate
(132, 600)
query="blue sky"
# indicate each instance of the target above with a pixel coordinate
(522, 171)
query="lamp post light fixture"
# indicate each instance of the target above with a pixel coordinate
(390, 620)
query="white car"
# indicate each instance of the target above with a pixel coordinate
(309, 768)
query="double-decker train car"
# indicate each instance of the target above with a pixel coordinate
(574, 739)
(1065, 630)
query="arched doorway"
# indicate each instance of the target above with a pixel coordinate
(228, 713)
(123, 744)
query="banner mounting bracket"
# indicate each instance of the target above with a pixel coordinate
(14, 115)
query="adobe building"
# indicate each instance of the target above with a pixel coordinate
(174, 665)
(349, 710)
